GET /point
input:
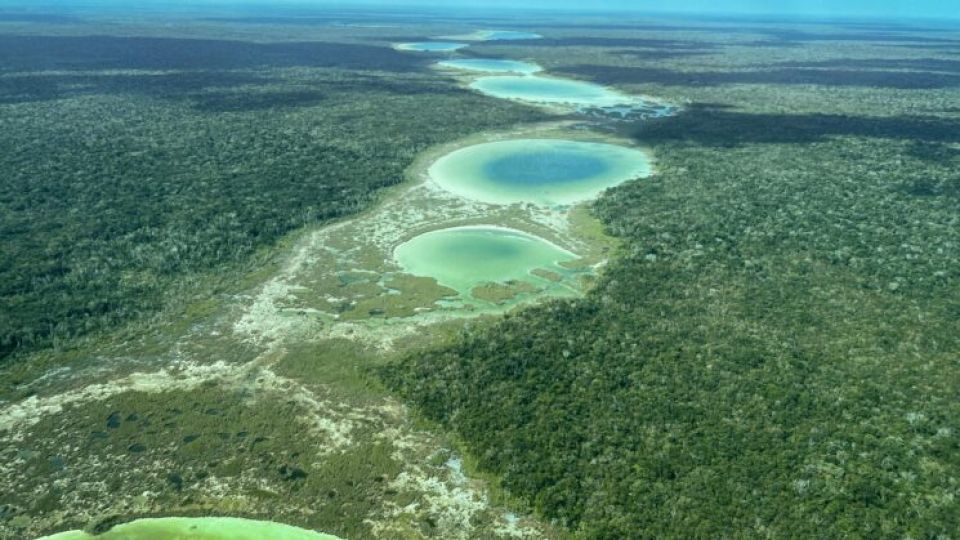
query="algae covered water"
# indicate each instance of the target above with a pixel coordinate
(197, 529)
(464, 258)
(545, 172)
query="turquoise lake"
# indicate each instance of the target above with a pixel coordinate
(546, 172)
(489, 65)
(551, 91)
(431, 46)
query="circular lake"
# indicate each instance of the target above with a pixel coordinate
(489, 65)
(464, 258)
(551, 91)
(546, 172)
(431, 46)
(197, 529)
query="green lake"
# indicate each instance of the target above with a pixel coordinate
(197, 529)
(464, 258)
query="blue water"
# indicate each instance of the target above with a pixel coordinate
(546, 172)
(432, 46)
(538, 168)
(549, 90)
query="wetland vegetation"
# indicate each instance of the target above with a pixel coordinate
(229, 254)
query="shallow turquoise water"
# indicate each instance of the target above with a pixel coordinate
(464, 257)
(547, 172)
(198, 529)
(489, 65)
(551, 91)
(431, 46)
(493, 35)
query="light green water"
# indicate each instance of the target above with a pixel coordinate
(431, 46)
(197, 529)
(489, 65)
(464, 257)
(548, 90)
(546, 172)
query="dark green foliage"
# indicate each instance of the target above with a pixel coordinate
(38, 53)
(118, 185)
(715, 125)
(772, 354)
(839, 76)
(918, 64)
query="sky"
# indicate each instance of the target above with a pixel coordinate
(858, 8)
(883, 9)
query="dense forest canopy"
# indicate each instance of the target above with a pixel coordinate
(771, 351)
(131, 163)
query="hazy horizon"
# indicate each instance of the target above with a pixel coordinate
(882, 9)
(820, 8)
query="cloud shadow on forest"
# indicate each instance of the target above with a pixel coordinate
(209, 91)
(587, 41)
(795, 35)
(912, 80)
(208, 71)
(38, 53)
(912, 64)
(720, 126)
